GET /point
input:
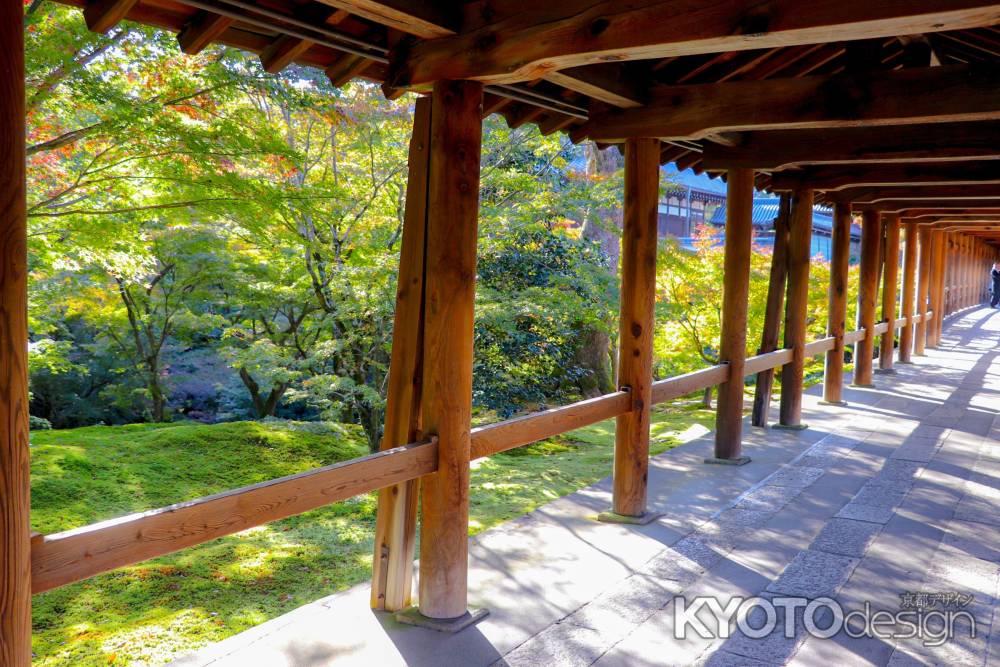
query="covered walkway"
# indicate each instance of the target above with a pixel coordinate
(894, 494)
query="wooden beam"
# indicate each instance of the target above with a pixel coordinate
(890, 204)
(796, 306)
(510, 41)
(772, 311)
(923, 291)
(453, 209)
(15, 459)
(425, 19)
(867, 294)
(897, 97)
(862, 196)
(779, 149)
(735, 293)
(635, 349)
(396, 522)
(890, 289)
(837, 177)
(918, 213)
(610, 83)
(103, 15)
(345, 68)
(280, 53)
(203, 29)
(833, 373)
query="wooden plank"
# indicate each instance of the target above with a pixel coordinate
(635, 337)
(796, 306)
(15, 494)
(926, 196)
(508, 41)
(688, 383)
(735, 292)
(890, 289)
(881, 328)
(203, 29)
(62, 558)
(772, 311)
(767, 361)
(867, 293)
(396, 522)
(453, 208)
(280, 53)
(819, 346)
(836, 323)
(852, 337)
(779, 149)
(606, 82)
(838, 177)
(896, 97)
(103, 15)
(422, 18)
(890, 205)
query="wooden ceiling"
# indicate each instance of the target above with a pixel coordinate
(801, 92)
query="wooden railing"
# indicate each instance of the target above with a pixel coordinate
(62, 558)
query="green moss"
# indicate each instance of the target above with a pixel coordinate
(151, 612)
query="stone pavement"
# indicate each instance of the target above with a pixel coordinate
(895, 495)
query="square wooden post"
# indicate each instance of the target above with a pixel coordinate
(635, 346)
(449, 293)
(396, 524)
(890, 290)
(733, 338)
(923, 289)
(796, 305)
(836, 326)
(15, 493)
(909, 285)
(864, 350)
(772, 310)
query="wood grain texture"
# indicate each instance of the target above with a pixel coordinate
(201, 31)
(280, 53)
(421, 18)
(864, 349)
(772, 311)
(450, 285)
(635, 337)
(103, 15)
(890, 288)
(836, 323)
(396, 523)
(735, 292)
(506, 41)
(15, 496)
(796, 306)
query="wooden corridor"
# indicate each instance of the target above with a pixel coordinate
(896, 492)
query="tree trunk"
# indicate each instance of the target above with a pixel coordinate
(156, 395)
(263, 407)
(706, 398)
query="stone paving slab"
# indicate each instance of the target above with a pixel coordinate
(896, 493)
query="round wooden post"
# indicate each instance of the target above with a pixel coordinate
(396, 523)
(450, 286)
(890, 290)
(836, 325)
(909, 284)
(923, 288)
(864, 350)
(15, 494)
(936, 287)
(735, 292)
(638, 296)
(796, 305)
(772, 310)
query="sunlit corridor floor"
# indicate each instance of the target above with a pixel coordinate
(888, 504)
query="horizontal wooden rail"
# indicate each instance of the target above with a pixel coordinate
(820, 346)
(681, 385)
(62, 558)
(854, 336)
(767, 361)
(520, 431)
(881, 328)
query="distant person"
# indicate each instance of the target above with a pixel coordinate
(995, 275)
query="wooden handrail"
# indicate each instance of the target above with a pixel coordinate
(820, 346)
(681, 385)
(767, 361)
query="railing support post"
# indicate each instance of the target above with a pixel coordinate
(936, 287)
(15, 495)
(890, 291)
(733, 338)
(833, 372)
(796, 305)
(772, 311)
(923, 288)
(909, 284)
(449, 294)
(635, 342)
(864, 350)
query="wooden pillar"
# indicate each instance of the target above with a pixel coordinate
(735, 292)
(796, 305)
(635, 352)
(396, 524)
(890, 289)
(864, 350)
(923, 289)
(446, 402)
(15, 496)
(772, 310)
(936, 287)
(836, 325)
(909, 285)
